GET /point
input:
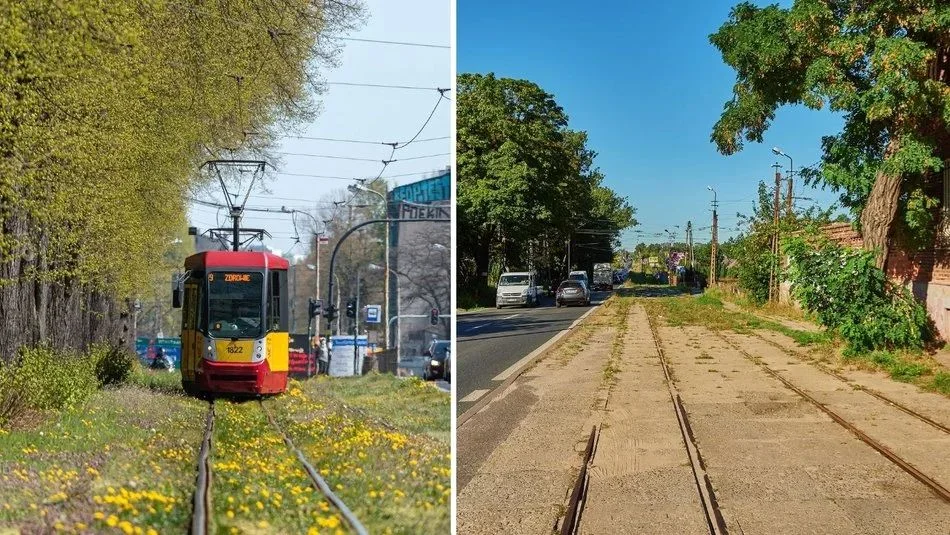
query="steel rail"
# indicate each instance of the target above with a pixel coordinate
(575, 505)
(201, 501)
(707, 495)
(871, 391)
(937, 488)
(318, 481)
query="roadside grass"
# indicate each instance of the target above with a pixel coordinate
(123, 462)
(393, 481)
(156, 380)
(391, 401)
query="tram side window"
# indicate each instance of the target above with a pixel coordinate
(273, 302)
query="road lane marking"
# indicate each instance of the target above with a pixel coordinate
(475, 328)
(474, 396)
(521, 363)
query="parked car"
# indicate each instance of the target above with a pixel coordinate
(436, 355)
(572, 292)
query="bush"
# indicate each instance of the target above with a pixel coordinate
(114, 364)
(53, 380)
(849, 294)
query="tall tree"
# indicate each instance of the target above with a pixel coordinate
(526, 182)
(885, 65)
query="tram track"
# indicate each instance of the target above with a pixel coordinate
(707, 495)
(932, 484)
(201, 516)
(319, 483)
(201, 501)
(870, 391)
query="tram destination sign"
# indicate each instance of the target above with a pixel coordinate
(232, 277)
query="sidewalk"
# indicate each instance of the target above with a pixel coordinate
(518, 457)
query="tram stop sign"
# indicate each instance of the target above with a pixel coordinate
(373, 313)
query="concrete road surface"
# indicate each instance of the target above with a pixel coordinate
(491, 342)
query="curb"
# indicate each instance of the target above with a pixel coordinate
(529, 360)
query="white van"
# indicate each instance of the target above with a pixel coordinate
(517, 288)
(579, 276)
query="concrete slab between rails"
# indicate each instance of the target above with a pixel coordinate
(515, 370)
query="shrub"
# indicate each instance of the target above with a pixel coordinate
(849, 294)
(114, 364)
(53, 380)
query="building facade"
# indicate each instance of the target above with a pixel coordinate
(419, 264)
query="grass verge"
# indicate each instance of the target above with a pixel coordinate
(395, 481)
(123, 462)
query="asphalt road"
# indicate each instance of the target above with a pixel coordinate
(490, 342)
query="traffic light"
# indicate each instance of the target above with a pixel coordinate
(330, 314)
(351, 308)
(434, 316)
(314, 307)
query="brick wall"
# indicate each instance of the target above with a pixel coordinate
(926, 273)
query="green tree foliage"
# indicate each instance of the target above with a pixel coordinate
(527, 184)
(108, 108)
(851, 295)
(884, 65)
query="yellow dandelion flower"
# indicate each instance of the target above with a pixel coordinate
(230, 514)
(259, 505)
(113, 521)
(98, 515)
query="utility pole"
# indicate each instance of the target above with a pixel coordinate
(773, 273)
(714, 249)
(293, 298)
(689, 245)
(356, 328)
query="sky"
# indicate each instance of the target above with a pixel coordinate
(645, 83)
(361, 114)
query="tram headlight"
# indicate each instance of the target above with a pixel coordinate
(210, 354)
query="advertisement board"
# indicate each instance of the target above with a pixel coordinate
(146, 347)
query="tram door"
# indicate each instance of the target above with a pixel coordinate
(190, 336)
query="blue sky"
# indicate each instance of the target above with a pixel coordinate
(363, 114)
(642, 79)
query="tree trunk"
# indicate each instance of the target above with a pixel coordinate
(878, 214)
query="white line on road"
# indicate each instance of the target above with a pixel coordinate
(475, 328)
(518, 365)
(474, 396)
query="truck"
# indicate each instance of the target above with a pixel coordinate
(603, 277)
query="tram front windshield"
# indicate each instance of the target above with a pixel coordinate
(234, 303)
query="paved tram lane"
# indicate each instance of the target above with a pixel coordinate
(490, 342)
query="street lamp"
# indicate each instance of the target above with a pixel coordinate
(356, 188)
(791, 173)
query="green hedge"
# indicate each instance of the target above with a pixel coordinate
(849, 294)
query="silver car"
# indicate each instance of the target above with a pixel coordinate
(572, 292)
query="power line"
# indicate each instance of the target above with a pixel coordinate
(332, 157)
(388, 86)
(350, 178)
(402, 43)
(361, 141)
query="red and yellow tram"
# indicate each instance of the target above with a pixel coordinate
(234, 337)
